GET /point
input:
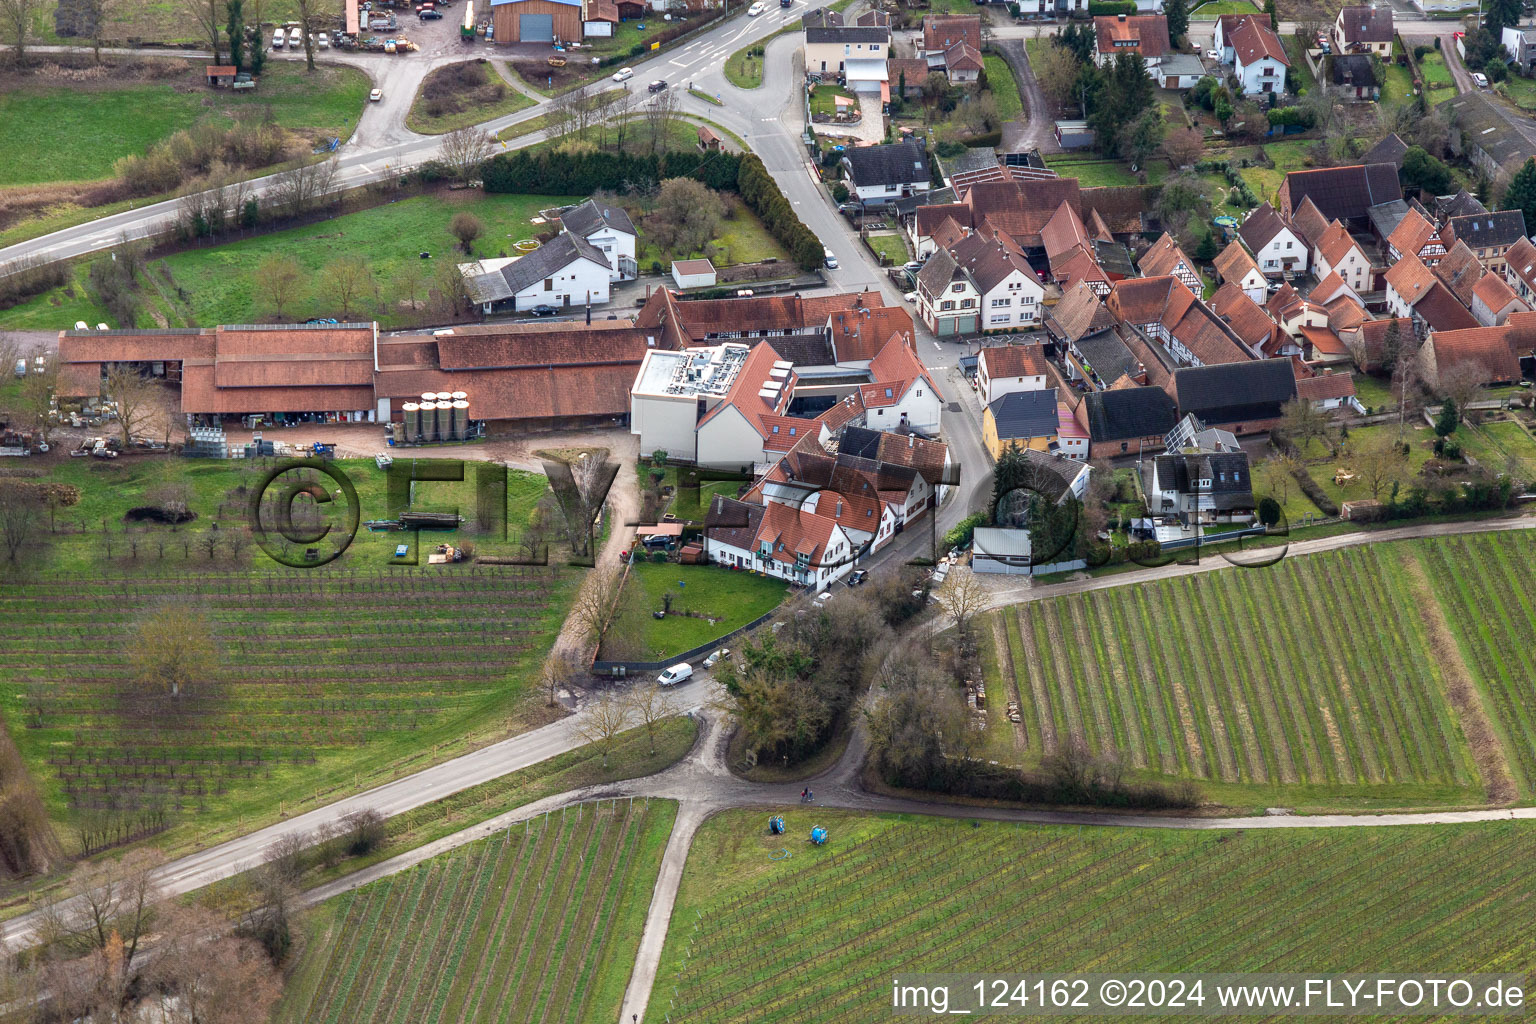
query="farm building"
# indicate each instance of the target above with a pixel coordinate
(536, 21)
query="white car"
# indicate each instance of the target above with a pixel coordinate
(676, 674)
(721, 654)
(1481, 79)
(295, 37)
(323, 40)
(755, 9)
(623, 74)
(277, 39)
(910, 297)
(1214, 55)
(376, 96)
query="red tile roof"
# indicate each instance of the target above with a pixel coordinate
(1014, 361)
(1325, 386)
(1488, 347)
(1410, 278)
(1149, 33)
(1235, 263)
(1335, 243)
(1253, 40)
(941, 31)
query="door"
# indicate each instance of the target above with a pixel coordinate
(536, 28)
(965, 325)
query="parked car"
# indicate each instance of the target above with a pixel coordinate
(914, 266)
(1214, 55)
(1481, 79)
(376, 96)
(295, 37)
(755, 9)
(656, 86)
(542, 310)
(676, 674)
(277, 39)
(430, 15)
(829, 259)
(910, 297)
(857, 577)
(721, 654)
(323, 40)
(623, 74)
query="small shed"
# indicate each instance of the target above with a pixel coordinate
(709, 139)
(1074, 134)
(1000, 550)
(221, 74)
(631, 9)
(599, 19)
(693, 273)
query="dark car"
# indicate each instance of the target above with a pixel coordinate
(431, 15)
(857, 577)
(543, 311)
(656, 86)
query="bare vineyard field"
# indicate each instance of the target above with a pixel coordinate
(1487, 589)
(326, 676)
(540, 923)
(1315, 676)
(818, 936)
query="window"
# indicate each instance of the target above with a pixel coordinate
(549, 284)
(874, 47)
(967, 303)
(1287, 245)
(958, 288)
(919, 392)
(946, 305)
(998, 303)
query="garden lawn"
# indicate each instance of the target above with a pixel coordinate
(511, 102)
(1518, 90)
(1436, 74)
(1373, 392)
(742, 238)
(1004, 88)
(1306, 80)
(1092, 172)
(388, 238)
(890, 247)
(1258, 709)
(1421, 449)
(824, 99)
(1215, 9)
(1496, 444)
(731, 599)
(1397, 84)
(162, 21)
(964, 895)
(543, 121)
(543, 919)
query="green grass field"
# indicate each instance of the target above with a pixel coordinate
(1397, 86)
(388, 238)
(1216, 8)
(819, 935)
(824, 99)
(540, 923)
(1436, 74)
(1002, 85)
(1374, 392)
(1501, 444)
(742, 238)
(57, 308)
(729, 599)
(164, 21)
(1092, 172)
(1421, 449)
(88, 129)
(891, 247)
(1256, 681)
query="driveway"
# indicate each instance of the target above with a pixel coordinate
(1033, 131)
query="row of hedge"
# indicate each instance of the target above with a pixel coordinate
(562, 174)
(1240, 188)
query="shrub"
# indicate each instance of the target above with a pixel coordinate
(1269, 511)
(839, 192)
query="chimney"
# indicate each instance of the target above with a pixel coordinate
(1122, 17)
(911, 441)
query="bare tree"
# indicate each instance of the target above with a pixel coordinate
(582, 497)
(1184, 147)
(104, 898)
(407, 282)
(556, 671)
(209, 17)
(1379, 462)
(602, 721)
(174, 652)
(1057, 71)
(308, 11)
(597, 603)
(1302, 421)
(35, 399)
(659, 113)
(94, 17)
(16, 21)
(203, 975)
(962, 597)
(650, 705)
(1275, 477)
(21, 517)
(288, 856)
(452, 291)
(301, 186)
(278, 281)
(1463, 383)
(134, 394)
(347, 282)
(465, 149)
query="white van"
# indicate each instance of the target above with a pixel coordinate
(831, 260)
(323, 40)
(676, 674)
(295, 37)
(277, 39)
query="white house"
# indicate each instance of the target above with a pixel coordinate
(723, 406)
(1236, 266)
(879, 174)
(1276, 248)
(790, 543)
(903, 394)
(1258, 57)
(567, 271)
(1011, 296)
(693, 274)
(1002, 371)
(859, 52)
(608, 228)
(1338, 252)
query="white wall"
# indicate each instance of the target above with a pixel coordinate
(1284, 246)
(1254, 79)
(920, 404)
(614, 244)
(728, 440)
(664, 423)
(579, 280)
(1022, 306)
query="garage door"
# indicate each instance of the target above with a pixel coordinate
(965, 325)
(536, 28)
